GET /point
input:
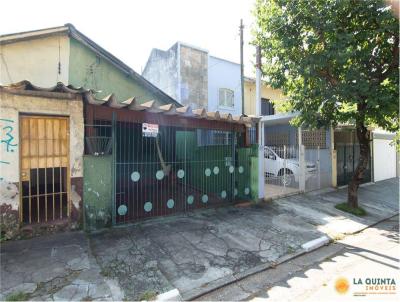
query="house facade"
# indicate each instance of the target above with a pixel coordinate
(72, 160)
(41, 160)
(195, 78)
(42, 137)
(113, 153)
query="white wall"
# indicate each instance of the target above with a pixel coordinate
(384, 158)
(22, 61)
(223, 74)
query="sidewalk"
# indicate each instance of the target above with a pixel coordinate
(193, 253)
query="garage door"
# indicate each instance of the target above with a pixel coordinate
(384, 157)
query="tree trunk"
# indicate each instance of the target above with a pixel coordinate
(363, 139)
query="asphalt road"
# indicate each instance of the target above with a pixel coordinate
(363, 260)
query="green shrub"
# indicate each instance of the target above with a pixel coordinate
(346, 208)
(18, 296)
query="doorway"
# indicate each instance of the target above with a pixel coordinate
(44, 169)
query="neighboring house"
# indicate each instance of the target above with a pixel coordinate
(268, 95)
(338, 148)
(195, 78)
(282, 146)
(181, 72)
(224, 89)
(63, 54)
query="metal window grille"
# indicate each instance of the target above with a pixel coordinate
(267, 108)
(213, 137)
(277, 138)
(312, 139)
(98, 138)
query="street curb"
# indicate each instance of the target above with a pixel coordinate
(316, 243)
(311, 246)
(371, 225)
(224, 281)
(172, 295)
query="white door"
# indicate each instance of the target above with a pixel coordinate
(384, 159)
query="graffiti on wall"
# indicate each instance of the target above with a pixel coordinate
(8, 140)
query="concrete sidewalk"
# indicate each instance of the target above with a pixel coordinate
(193, 253)
(311, 277)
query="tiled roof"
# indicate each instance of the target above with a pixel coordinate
(88, 96)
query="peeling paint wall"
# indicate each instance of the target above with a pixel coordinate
(162, 70)
(181, 72)
(193, 77)
(87, 69)
(9, 202)
(97, 191)
(43, 61)
(12, 105)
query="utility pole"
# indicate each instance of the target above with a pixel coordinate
(241, 63)
(261, 160)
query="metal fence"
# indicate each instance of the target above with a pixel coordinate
(159, 170)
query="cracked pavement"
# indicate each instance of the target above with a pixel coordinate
(190, 252)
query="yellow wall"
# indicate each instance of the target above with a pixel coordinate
(22, 61)
(250, 96)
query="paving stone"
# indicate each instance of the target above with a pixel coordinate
(72, 293)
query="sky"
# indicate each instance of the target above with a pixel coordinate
(130, 29)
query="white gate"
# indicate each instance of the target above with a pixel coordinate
(282, 170)
(384, 158)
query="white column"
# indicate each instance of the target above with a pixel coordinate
(302, 165)
(261, 173)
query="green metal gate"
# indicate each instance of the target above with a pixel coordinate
(160, 169)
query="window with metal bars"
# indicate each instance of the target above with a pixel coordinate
(98, 138)
(267, 108)
(213, 137)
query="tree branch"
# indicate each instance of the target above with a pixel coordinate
(395, 62)
(331, 79)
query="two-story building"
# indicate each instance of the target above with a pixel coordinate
(195, 78)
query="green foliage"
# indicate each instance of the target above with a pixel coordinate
(18, 296)
(337, 60)
(148, 296)
(346, 208)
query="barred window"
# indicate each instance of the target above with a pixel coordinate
(252, 132)
(267, 108)
(312, 139)
(277, 138)
(213, 137)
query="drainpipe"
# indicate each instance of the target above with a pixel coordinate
(261, 173)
